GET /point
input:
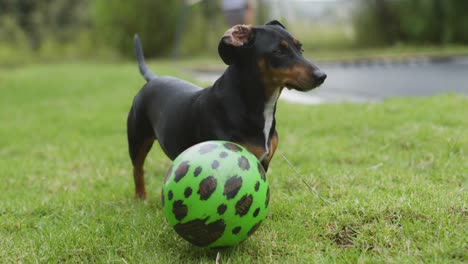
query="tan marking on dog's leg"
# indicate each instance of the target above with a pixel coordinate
(256, 150)
(138, 171)
(260, 152)
(273, 146)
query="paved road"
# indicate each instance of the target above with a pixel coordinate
(374, 81)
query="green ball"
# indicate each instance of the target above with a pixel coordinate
(215, 194)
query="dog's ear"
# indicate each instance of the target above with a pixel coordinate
(239, 36)
(275, 23)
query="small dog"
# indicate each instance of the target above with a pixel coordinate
(240, 106)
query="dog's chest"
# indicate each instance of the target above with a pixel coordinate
(268, 115)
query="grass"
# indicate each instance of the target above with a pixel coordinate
(392, 178)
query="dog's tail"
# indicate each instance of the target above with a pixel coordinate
(144, 70)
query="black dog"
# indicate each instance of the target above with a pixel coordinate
(239, 107)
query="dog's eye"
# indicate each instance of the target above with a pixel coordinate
(301, 49)
(279, 52)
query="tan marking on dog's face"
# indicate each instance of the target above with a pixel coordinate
(268, 79)
(296, 77)
(284, 44)
(298, 45)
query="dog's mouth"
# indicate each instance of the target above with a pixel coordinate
(301, 86)
(307, 82)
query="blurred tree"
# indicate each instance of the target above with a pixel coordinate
(456, 27)
(386, 22)
(40, 20)
(154, 20)
(211, 10)
(261, 15)
(438, 22)
(368, 25)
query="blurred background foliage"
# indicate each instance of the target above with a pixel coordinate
(103, 29)
(117, 21)
(388, 22)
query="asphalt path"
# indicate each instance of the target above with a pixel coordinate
(378, 80)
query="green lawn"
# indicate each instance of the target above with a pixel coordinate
(391, 178)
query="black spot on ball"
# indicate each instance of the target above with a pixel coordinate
(243, 163)
(256, 212)
(232, 187)
(170, 194)
(197, 171)
(207, 187)
(261, 170)
(257, 186)
(187, 192)
(207, 148)
(181, 171)
(236, 230)
(223, 154)
(243, 205)
(168, 174)
(254, 228)
(162, 197)
(267, 200)
(232, 147)
(221, 209)
(179, 209)
(215, 164)
(199, 233)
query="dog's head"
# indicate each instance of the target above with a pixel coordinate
(277, 54)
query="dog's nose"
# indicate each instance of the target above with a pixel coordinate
(320, 77)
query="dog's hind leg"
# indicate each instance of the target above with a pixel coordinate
(140, 140)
